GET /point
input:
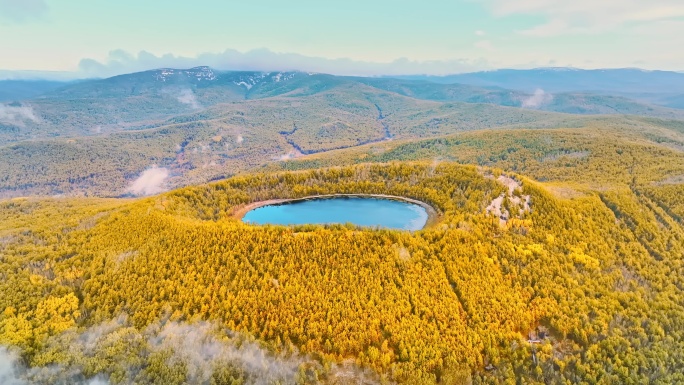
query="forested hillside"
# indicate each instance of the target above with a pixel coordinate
(594, 157)
(231, 138)
(99, 137)
(582, 288)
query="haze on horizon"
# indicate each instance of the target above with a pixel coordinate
(98, 38)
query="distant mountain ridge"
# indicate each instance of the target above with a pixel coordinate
(150, 98)
(514, 88)
(234, 84)
(11, 90)
(663, 88)
(563, 79)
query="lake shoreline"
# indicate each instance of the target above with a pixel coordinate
(433, 214)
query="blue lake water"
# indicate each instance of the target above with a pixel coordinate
(369, 212)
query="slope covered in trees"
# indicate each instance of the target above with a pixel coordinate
(581, 289)
(203, 125)
(597, 156)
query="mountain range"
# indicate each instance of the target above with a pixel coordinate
(204, 124)
(665, 88)
(141, 99)
(624, 81)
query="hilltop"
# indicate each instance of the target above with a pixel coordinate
(584, 287)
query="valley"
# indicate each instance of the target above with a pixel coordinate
(202, 125)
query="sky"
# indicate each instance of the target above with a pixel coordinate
(351, 37)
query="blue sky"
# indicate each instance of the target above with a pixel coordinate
(103, 37)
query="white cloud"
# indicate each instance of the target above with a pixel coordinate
(485, 45)
(188, 97)
(551, 28)
(587, 16)
(12, 372)
(197, 346)
(202, 347)
(538, 99)
(120, 62)
(16, 114)
(185, 96)
(662, 36)
(22, 10)
(284, 157)
(613, 10)
(9, 367)
(480, 33)
(150, 182)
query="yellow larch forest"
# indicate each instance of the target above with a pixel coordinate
(582, 289)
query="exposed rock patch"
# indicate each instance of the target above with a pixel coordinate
(510, 204)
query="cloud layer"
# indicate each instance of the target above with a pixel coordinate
(183, 95)
(201, 348)
(22, 10)
(9, 367)
(150, 182)
(586, 16)
(464, 36)
(16, 115)
(537, 100)
(186, 96)
(119, 62)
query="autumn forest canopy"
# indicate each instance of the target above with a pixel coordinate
(554, 255)
(592, 281)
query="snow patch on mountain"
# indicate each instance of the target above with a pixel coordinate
(245, 84)
(275, 77)
(249, 81)
(283, 76)
(198, 74)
